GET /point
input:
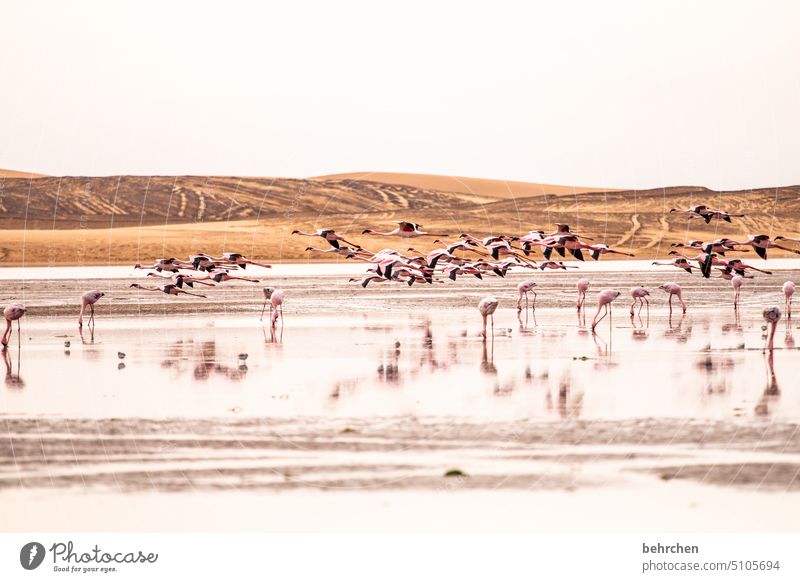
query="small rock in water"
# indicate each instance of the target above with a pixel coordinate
(121, 366)
(396, 344)
(67, 344)
(121, 355)
(242, 356)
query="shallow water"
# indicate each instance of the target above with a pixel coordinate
(389, 387)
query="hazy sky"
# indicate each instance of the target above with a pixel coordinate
(621, 94)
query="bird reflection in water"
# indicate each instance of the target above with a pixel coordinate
(788, 339)
(569, 402)
(389, 367)
(487, 361)
(717, 373)
(13, 380)
(676, 330)
(772, 391)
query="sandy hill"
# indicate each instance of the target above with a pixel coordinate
(101, 220)
(17, 174)
(479, 187)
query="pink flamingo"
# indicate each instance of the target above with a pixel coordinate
(583, 286)
(12, 312)
(604, 299)
(89, 299)
(404, 229)
(275, 298)
(788, 291)
(674, 290)
(169, 289)
(736, 282)
(639, 294)
(328, 234)
(772, 315)
(487, 307)
(223, 276)
(524, 288)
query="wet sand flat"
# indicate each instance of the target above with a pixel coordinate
(386, 390)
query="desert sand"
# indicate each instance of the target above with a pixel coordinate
(126, 219)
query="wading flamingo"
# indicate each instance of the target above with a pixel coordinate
(674, 290)
(524, 288)
(736, 282)
(275, 299)
(772, 315)
(88, 299)
(582, 286)
(487, 307)
(788, 291)
(604, 299)
(13, 312)
(639, 295)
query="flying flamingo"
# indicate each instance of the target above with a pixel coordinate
(12, 312)
(223, 276)
(736, 282)
(772, 315)
(680, 263)
(524, 288)
(674, 290)
(788, 291)
(760, 244)
(89, 299)
(487, 307)
(639, 294)
(169, 289)
(328, 234)
(404, 229)
(241, 261)
(604, 299)
(583, 286)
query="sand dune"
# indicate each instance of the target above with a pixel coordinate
(17, 174)
(125, 219)
(479, 187)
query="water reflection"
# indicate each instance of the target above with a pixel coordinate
(772, 391)
(13, 380)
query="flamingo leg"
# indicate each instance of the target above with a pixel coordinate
(632, 305)
(773, 329)
(91, 315)
(484, 327)
(19, 338)
(7, 333)
(534, 300)
(670, 303)
(263, 307)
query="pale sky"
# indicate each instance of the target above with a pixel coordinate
(619, 94)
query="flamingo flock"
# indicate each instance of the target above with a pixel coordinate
(468, 255)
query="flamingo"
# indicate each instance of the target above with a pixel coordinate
(367, 279)
(639, 294)
(680, 263)
(761, 242)
(604, 299)
(89, 299)
(736, 282)
(169, 289)
(788, 291)
(674, 290)
(241, 261)
(346, 252)
(328, 234)
(707, 214)
(772, 315)
(12, 312)
(583, 286)
(524, 288)
(404, 229)
(180, 279)
(275, 298)
(223, 276)
(487, 307)
(555, 265)
(601, 249)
